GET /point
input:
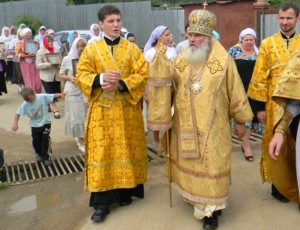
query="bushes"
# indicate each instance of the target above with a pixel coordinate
(31, 22)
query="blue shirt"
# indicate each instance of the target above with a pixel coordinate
(237, 53)
(37, 111)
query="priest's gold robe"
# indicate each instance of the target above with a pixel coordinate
(201, 133)
(274, 54)
(115, 142)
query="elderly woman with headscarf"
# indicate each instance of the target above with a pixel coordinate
(95, 33)
(56, 43)
(49, 72)
(5, 34)
(41, 33)
(65, 48)
(30, 73)
(159, 36)
(3, 88)
(17, 74)
(6, 38)
(245, 56)
(75, 102)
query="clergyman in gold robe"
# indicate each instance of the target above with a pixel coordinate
(112, 73)
(287, 96)
(208, 93)
(274, 54)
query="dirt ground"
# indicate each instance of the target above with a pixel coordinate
(60, 203)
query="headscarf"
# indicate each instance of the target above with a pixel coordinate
(25, 31)
(22, 26)
(42, 27)
(70, 37)
(92, 30)
(73, 51)
(129, 34)
(156, 33)
(91, 37)
(217, 35)
(3, 36)
(248, 31)
(49, 31)
(46, 45)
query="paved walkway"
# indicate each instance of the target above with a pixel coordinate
(250, 204)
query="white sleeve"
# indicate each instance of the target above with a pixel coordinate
(293, 107)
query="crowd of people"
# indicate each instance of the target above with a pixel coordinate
(197, 92)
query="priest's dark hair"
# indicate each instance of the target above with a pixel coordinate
(290, 5)
(108, 10)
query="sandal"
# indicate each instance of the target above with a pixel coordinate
(56, 115)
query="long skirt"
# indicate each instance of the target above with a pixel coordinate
(3, 88)
(9, 71)
(31, 76)
(75, 113)
(17, 74)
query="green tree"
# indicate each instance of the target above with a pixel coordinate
(278, 3)
(32, 22)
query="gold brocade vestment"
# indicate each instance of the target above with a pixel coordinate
(201, 132)
(114, 131)
(288, 85)
(274, 54)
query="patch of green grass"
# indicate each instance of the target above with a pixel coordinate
(3, 185)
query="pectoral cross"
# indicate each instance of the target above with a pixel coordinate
(204, 5)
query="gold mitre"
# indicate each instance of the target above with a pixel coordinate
(202, 22)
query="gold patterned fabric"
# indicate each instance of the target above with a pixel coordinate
(201, 132)
(202, 22)
(160, 82)
(287, 87)
(114, 133)
(274, 54)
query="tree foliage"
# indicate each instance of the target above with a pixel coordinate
(278, 3)
(31, 22)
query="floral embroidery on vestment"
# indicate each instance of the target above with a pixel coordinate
(181, 65)
(214, 66)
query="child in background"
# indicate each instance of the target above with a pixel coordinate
(35, 106)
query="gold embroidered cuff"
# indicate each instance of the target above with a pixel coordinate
(284, 123)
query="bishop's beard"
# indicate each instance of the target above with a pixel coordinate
(196, 55)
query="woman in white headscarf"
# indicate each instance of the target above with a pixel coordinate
(5, 34)
(160, 35)
(245, 56)
(6, 37)
(95, 33)
(75, 102)
(17, 74)
(30, 73)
